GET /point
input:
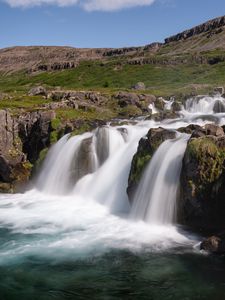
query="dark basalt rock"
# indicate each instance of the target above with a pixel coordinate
(14, 167)
(176, 106)
(202, 202)
(22, 139)
(146, 148)
(34, 132)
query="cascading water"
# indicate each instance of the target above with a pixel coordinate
(153, 108)
(155, 199)
(59, 174)
(205, 105)
(168, 103)
(83, 182)
(94, 165)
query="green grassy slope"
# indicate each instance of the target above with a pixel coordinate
(159, 79)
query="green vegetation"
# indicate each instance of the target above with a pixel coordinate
(159, 79)
(209, 156)
(23, 101)
(139, 164)
(40, 160)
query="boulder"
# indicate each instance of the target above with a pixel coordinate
(125, 99)
(214, 244)
(176, 106)
(159, 104)
(219, 90)
(202, 203)
(38, 91)
(208, 129)
(140, 86)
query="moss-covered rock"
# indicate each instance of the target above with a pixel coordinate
(202, 202)
(146, 148)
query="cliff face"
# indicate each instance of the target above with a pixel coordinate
(45, 58)
(215, 25)
(22, 139)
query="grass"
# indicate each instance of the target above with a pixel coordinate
(26, 102)
(159, 79)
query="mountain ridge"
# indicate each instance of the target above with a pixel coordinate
(205, 37)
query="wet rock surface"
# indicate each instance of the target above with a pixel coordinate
(214, 244)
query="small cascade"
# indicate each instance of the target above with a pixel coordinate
(155, 199)
(153, 108)
(73, 159)
(58, 175)
(168, 103)
(205, 105)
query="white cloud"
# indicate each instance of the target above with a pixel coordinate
(110, 5)
(89, 5)
(30, 3)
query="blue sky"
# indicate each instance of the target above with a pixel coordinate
(100, 23)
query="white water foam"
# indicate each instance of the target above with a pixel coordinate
(73, 216)
(155, 199)
(60, 227)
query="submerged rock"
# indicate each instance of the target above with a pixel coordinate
(214, 244)
(84, 160)
(219, 107)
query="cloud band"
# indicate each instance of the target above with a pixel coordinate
(89, 5)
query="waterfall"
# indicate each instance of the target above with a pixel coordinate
(153, 108)
(58, 173)
(205, 105)
(93, 166)
(72, 158)
(168, 103)
(155, 199)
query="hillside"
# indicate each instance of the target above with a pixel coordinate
(191, 61)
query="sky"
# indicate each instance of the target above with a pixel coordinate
(100, 23)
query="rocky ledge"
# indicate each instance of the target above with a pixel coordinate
(26, 134)
(215, 25)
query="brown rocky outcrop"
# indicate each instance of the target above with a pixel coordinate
(14, 167)
(22, 139)
(140, 101)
